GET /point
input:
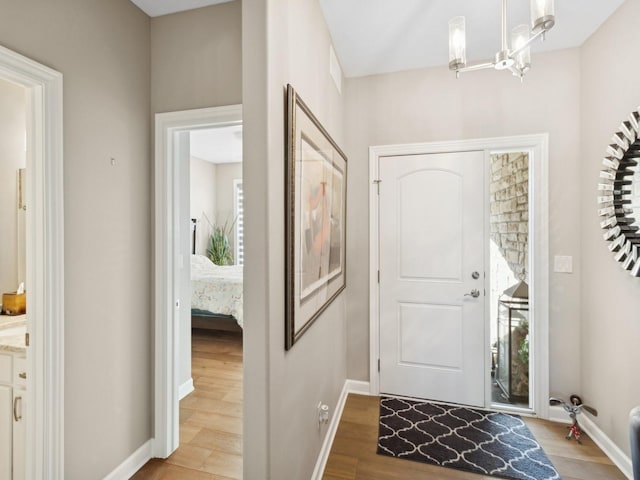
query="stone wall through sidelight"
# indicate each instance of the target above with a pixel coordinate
(509, 218)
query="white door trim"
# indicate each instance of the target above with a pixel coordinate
(166, 396)
(537, 145)
(45, 263)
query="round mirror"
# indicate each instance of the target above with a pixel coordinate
(619, 194)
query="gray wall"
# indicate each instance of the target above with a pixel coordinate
(431, 105)
(282, 438)
(255, 145)
(196, 58)
(12, 157)
(102, 49)
(196, 62)
(610, 326)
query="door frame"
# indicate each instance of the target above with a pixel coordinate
(166, 250)
(537, 146)
(45, 262)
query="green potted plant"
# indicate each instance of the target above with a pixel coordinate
(219, 250)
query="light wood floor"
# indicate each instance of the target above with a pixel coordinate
(210, 417)
(353, 455)
(211, 432)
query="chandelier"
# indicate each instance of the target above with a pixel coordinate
(517, 58)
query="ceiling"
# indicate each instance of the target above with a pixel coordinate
(379, 36)
(217, 145)
(155, 8)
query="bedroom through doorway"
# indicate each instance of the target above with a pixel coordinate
(211, 415)
(200, 256)
(217, 234)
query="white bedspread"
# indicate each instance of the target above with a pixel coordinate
(216, 289)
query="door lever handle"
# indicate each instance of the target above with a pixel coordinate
(475, 293)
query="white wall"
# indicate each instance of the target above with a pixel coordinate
(226, 174)
(212, 193)
(102, 49)
(284, 41)
(12, 157)
(203, 200)
(610, 313)
(431, 105)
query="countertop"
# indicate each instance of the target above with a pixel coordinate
(12, 330)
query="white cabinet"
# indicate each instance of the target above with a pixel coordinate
(19, 433)
(12, 422)
(6, 431)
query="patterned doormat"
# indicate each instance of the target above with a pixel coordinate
(468, 439)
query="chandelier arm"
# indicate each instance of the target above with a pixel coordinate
(516, 71)
(477, 66)
(505, 45)
(535, 36)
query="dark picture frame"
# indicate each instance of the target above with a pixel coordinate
(316, 209)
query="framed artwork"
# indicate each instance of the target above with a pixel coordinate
(316, 194)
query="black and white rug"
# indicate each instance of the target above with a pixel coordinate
(468, 439)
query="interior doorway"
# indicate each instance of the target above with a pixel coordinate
(42, 374)
(185, 233)
(536, 148)
(13, 242)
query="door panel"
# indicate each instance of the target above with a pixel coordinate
(431, 241)
(430, 335)
(420, 211)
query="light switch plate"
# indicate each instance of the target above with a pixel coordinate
(563, 264)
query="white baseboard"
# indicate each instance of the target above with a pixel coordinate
(350, 386)
(610, 449)
(357, 387)
(185, 389)
(132, 464)
(558, 415)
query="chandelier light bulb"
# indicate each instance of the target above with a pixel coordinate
(519, 39)
(542, 15)
(457, 43)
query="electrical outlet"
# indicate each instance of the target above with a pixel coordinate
(323, 413)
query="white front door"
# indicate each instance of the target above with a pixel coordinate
(431, 228)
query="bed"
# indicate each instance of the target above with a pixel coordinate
(216, 295)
